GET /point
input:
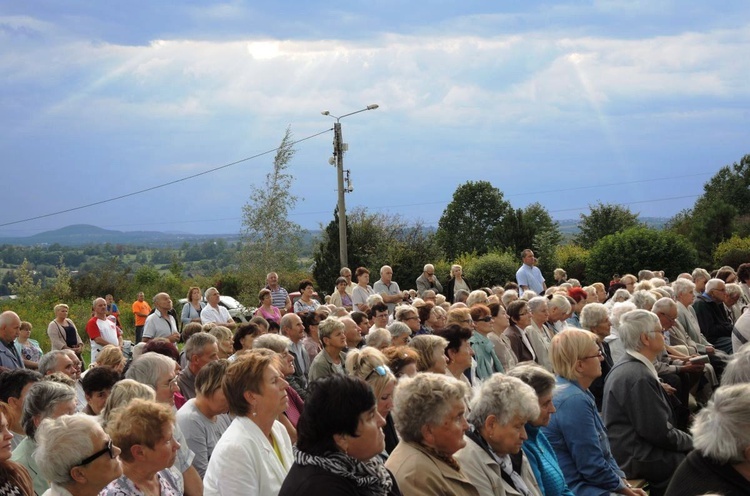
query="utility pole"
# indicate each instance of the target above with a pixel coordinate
(339, 147)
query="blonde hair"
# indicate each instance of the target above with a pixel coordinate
(140, 422)
(363, 364)
(426, 344)
(567, 348)
(110, 356)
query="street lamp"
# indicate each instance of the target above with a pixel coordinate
(338, 153)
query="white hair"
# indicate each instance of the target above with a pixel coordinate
(722, 430)
(682, 286)
(633, 325)
(61, 445)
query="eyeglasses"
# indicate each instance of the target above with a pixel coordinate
(598, 355)
(660, 331)
(412, 318)
(381, 370)
(172, 383)
(483, 319)
(108, 449)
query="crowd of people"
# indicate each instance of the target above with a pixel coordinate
(623, 386)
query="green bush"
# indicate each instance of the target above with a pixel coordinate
(732, 252)
(572, 259)
(640, 248)
(492, 269)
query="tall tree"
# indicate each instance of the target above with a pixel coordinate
(603, 220)
(271, 241)
(474, 220)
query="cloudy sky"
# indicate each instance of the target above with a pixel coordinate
(564, 103)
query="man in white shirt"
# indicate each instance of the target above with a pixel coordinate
(213, 312)
(161, 324)
(101, 329)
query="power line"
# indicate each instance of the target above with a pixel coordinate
(163, 185)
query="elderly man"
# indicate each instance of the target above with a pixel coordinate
(14, 385)
(636, 411)
(200, 349)
(10, 326)
(292, 327)
(280, 296)
(101, 329)
(712, 316)
(346, 273)
(213, 312)
(353, 336)
(428, 281)
(161, 324)
(732, 301)
(57, 361)
(388, 289)
(141, 310)
(529, 276)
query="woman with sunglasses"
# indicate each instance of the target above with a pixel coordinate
(76, 455)
(369, 364)
(488, 362)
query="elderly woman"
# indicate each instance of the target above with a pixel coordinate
(400, 333)
(370, 365)
(577, 432)
(402, 360)
(340, 297)
(488, 362)
(431, 353)
(306, 303)
(595, 318)
(204, 418)
(520, 318)
(497, 417)
(62, 331)
(45, 399)
(636, 410)
(121, 395)
(225, 340)
(379, 339)
(501, 343)
(340, 437)
(191, 310)
(362, 290)
(437, 319)
(429, 411)
(76, 456)
(280, 345)
(537, 448)
(458, 351)
(97, 386)
(457, 283)
(255, 453)
(266, 308)
(720, 462)
(144, 432)
(14, 478)
(332, 359)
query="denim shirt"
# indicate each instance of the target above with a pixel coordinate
(579, 437)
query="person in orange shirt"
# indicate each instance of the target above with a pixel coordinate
(141, 309)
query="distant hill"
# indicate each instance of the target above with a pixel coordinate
(570, 226)
(84, 234)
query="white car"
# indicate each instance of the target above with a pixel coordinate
(238, 311)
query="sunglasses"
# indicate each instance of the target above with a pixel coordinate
(108, 449)
(381, 370)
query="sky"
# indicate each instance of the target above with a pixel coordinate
(563, 103)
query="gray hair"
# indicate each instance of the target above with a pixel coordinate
(273, 342)
(536, 376)
(701, 273)
(528, 295)
(506, 398)
(197, 342)
(41, 401)
(593, 314)
(402, 311)
(286, 321)
(682, 286)
(422, 400)
(328, 326)
(509, 296)
(561, 302)
(536, 303)
(477, 296)
(428, 267)
(663, 305)
(62, 443)
(734, 290)
(373, 299)
(379, 338)
(398, 328)
(122, 393)
(209, 292)
(737, 370)
(714, 284)
(48, 362)
(621, 295)
(633, 325)
(149, 368)
(642, 299)
(722, 430)
(618, 310)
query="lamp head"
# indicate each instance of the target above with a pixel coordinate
(325, 112)
(373, 106)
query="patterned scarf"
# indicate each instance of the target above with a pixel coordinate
(371, 475)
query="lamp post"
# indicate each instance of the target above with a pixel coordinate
(338, 153)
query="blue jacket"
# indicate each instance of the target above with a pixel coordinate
(544, 463)
(579, 438)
